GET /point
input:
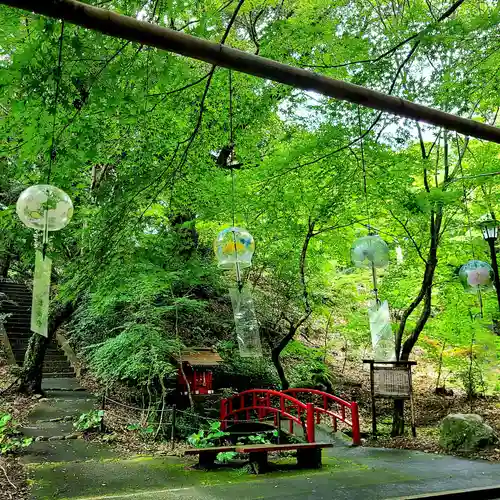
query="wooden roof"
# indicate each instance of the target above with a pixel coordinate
(200, 356)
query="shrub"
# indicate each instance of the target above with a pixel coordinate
(89, 421)
(11, 438)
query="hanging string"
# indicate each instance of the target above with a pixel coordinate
(363, 165)
(233, 180)
(367, 205)
(467, 212)
(52, 154)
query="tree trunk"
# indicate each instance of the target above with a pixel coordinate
(276, 353)
(31, 377)
(30, 381)
(275, 356)
(398, 418)
(425, 294)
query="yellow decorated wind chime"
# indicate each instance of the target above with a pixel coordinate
(234, 248)
(45, 208)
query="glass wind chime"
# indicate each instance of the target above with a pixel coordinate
(234, 248)
(371, 252)
(43, 208)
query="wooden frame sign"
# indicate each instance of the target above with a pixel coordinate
(391, 380)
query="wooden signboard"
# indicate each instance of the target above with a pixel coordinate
(391, 380)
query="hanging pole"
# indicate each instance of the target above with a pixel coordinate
(129, 28)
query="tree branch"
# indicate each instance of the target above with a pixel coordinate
(404, 226)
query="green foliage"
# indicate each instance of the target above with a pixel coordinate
(11, 438)
(145, 430)
(306, 366)
(206, 438)
(243, 373)
(138, 353)
(89, 421)
(134, 152)
(226, 456)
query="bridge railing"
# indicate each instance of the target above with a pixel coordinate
(267, 401)
(333, 406)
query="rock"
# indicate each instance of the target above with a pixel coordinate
(465, 432)
(56, 438)
(41, 438)
(72, 436)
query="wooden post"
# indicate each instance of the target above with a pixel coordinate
(374, 408)
(172, 432)
(129, 28)
(412, 409)
(356, 433)
(103, 408)
(278, 425)
(222, 414)
(310, 422)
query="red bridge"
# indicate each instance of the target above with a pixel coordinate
(304, 407)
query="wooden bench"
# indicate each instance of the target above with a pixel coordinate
(308, 454)
(207, 456)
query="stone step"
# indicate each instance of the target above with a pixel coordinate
(59, 366)
(19, 329)
(8, 299)
(59, 375)
(49, 429)
(18, 315)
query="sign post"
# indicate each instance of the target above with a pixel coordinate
(391, 380)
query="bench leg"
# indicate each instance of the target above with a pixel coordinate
(258, 462)
(309, 458)
(207, 459)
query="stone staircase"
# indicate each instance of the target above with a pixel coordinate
(15, 298)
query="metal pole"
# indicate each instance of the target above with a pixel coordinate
(153, 35)
(494, 265)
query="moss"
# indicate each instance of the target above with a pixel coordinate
(111, 476)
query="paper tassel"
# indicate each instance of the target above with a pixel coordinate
(41, 294)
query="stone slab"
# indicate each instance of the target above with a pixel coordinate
(74, 450)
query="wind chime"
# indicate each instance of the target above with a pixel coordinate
(476, 276)
(44, 208)
(234, 248)
(371, 252)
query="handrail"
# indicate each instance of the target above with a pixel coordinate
(271, 392)
(227, 409)
(352, 406)
(288, 402)
(319, 393)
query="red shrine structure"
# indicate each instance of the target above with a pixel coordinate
(197, 364)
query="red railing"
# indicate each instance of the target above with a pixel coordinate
(262, 402)
(323, 403)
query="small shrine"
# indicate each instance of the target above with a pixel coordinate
(197, 364)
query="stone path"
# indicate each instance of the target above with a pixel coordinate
(51, 424)
(78, 470)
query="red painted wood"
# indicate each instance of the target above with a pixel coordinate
(310, 426)
(293, 409)
(356, 434)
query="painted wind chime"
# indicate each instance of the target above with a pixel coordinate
(45, 208)
(234, 248)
